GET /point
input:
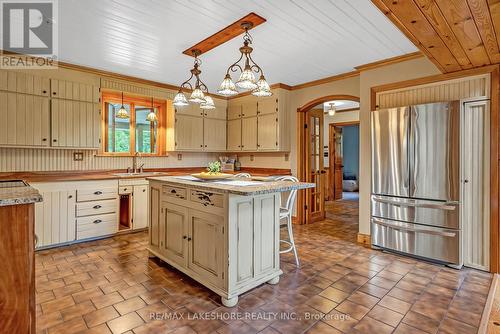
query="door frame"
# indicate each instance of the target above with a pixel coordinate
(332, 153)
(302, 167)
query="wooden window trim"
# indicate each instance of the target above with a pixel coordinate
(115, 97)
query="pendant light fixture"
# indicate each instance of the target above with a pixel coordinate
(199, 91)
(246, 80)
(122, 112)
(152, 115)
(332, 109)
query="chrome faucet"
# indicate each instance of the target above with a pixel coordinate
(134, 163)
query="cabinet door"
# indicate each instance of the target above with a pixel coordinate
(55, 220)
(249, 109)
(75, 124)
(233, 111)
(175, 227)
(140, 207)
(267, 105)
(206, 246)
(249, 134)
(234, 135)
(25, 120)
(218, 113)
(188, 133)
(76, 91)
(214, 134)
(24, 83)
(192, 109)
(155, 232)
(268, 132)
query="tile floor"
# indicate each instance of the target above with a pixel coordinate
(110, 286)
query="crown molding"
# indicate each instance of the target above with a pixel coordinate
(390, 61)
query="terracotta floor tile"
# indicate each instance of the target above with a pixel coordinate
(364, 299)
(374, 290)
(320, 282)
(86, 295)
(149, 312)
(406, 329)
(129, 305)
(356, 311)
(322, 328)
(370, 326)
(106, 300)
(385, 315)
(132, 291)
(395, 304)
(57, 304)
(45, 321)
(452, 326)
(77, 310)
(421, 322)
(389, 275)
(156, 326)
(404, 295)
(100, 316)
(125, 322)
(334, 294)
(101, 329)
(237, 327)
(321, 304)
(382, 282)
(340, 321)
(74, 325)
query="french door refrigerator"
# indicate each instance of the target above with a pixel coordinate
(416, 181)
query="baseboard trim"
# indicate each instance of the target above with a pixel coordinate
(486, 320)
(364, 239)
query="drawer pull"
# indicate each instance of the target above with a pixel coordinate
(97, 221)
(97, 207)
(98, 193)
(173, 191)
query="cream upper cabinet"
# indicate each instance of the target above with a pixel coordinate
(140, 206)
(206, 246)
(26, 120)
(233, 111)
(175, 227)
(24, 83)
(218, 113)
(75, 124)
(267, 105)
(267, 132)
(249, 109)
(76, 91)
(192, 109)
(249, 134)
(234, 135)
(214, 134)
(188, 133)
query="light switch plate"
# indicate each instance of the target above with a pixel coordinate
(78, 156)
(287, 157)
(252, 157)
(179, 156)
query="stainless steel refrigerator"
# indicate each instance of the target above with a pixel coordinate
(415, 197)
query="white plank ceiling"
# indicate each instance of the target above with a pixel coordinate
(300, 42)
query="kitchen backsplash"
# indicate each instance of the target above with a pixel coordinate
(30, 159)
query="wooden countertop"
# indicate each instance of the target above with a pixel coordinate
(61, 176)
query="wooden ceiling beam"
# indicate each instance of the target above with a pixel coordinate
(222, 36)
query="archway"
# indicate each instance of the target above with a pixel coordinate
(303, 161)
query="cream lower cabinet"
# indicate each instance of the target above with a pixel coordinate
(55, 220)
(140, 206)
(228, 242)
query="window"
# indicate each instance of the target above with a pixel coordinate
(127, 136)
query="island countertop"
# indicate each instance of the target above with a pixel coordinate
(238, 186)
(17, 192)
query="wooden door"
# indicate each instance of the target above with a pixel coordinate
(267, 132)
(206, 246)
(249, 134)
(214, 134)
(188, 133)
(335, 162)
(140, 207)
(315, 197)
(234, 135)
(175, 228)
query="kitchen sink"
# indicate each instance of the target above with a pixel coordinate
(143, 174)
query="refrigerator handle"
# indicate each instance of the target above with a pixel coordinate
(411, 150)
(445, 206)
(409, 229)
(406, 181)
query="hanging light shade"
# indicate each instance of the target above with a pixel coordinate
(332, 109)
(227, 87)
(246, 80)
(208, 104)
(122, 112)
(198, 88)
(180, 99)
(152, 115)
(262, 89)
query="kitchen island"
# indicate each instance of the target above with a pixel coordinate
(224, 234)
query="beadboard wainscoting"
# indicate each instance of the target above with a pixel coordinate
(30, 160)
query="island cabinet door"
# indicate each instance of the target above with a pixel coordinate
(174, 224)
(206, 246)
(155, 217)
(266, 233)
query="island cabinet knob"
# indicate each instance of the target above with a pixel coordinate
(97, 207)
(184, 237)
(98, 193)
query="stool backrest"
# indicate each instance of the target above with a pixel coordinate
(242, 175)
(290, 201)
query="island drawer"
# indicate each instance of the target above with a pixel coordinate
(84, 195)
(95, 226)
(96, 207)
(206, 198)
(176, 192)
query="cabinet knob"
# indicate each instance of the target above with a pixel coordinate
(466, 181)
(97, 207)
(44, 139)
(205, 145)
(54, 93)
(54, 140)
(70, 196)
(44, 91)
(189, 239)
(201, 145)
(97, 221)
(184, 237)
(201, 114)
(242, 115)
(125, 189)
(143, 190)
(98, 193)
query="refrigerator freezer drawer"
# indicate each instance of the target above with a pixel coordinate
(433, 213)
(429, 242)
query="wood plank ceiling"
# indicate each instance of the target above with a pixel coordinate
(454, 34)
